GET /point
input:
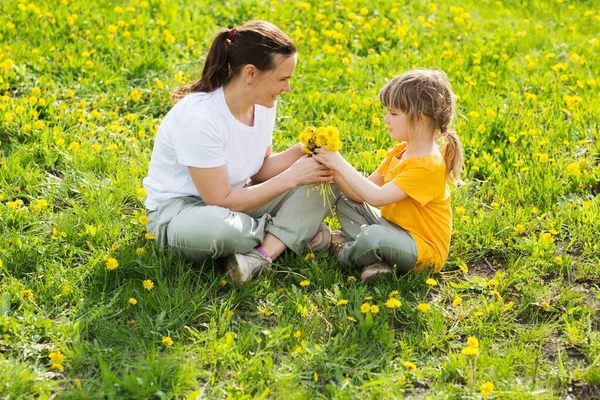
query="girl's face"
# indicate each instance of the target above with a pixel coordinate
(270, 84)
(397, 123)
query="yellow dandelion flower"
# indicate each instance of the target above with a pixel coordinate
(26, 294)
(365, 308)
(309, 256)
(56, 357)
(132, 301)
(410, 365)
(265, 311)
(351, 319)
(341, 302)
(148, 284)
(545, 304)
(136, 95)
(143, 219)
(470, 351)
(487, 388)
(573, 169)
(473, 342)
(305, 283)
(140, 251)
(149, 236)
(393, 302)
(456, 302)
(167, 341)
(520, 228)
(58, 367)
(374, 309)
(424, 307)
(111, 263)
(431, 282)
(558, 260)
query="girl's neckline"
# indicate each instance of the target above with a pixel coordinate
(400, 155)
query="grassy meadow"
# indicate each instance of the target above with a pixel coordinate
(90, 308)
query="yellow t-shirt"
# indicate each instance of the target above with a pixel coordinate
(426, 212)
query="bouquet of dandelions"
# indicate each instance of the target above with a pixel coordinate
(313, 138)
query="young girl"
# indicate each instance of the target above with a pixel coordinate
(411, 230)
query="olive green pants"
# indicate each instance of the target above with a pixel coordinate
(372, 238)
(198, 232)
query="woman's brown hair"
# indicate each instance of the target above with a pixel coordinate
(255, 42)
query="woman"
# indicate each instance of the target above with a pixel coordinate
(214, 140)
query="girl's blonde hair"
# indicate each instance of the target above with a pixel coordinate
(426, 93)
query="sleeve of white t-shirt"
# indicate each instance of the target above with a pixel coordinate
(199, 143)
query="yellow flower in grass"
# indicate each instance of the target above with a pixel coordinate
(148, 284)
(305, 283)
(265, 311)
(473, 342)
(456, 302)
(424, 307)
(341, 302)
(393, 302)
(374, 309)
(56, 357)
(167, 341)
(431, 282)
(111, 263)
(143, 219)
(410, 365)
(136, 95)
(140, 251)
(26, 294)
(520, 229)
(365, 308)
(573, 169)
(546, 238)
(487, 388)
(58, 367)
(351, 319)
(132, 301)
(469, 351)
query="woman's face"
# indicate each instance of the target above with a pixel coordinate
(270, 84)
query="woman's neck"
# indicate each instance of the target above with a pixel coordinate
(240, 106)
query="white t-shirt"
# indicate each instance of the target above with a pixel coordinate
(200, 131)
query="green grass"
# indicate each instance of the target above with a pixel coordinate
(75, 145)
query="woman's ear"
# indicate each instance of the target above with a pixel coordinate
(250, 73)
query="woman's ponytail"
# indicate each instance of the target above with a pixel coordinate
(216, 69)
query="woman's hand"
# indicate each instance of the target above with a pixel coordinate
(307, 170)
(330, 159)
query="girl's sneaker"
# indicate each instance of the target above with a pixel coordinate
(370, 272)
(338, 241)
(243, 267)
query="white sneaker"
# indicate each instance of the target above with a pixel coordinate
(243, 267)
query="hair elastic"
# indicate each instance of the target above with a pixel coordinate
(231, 34)
(441, 135)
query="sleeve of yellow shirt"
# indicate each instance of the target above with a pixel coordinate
(415, 181)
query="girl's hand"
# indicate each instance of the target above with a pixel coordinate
(330, 159)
